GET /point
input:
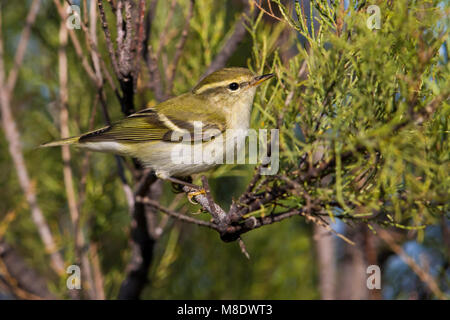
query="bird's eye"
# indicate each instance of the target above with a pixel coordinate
(233, 86)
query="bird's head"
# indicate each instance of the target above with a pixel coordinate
(230, 88)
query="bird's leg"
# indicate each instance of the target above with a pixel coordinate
(182, 182)
(178, 188)
(191, 194)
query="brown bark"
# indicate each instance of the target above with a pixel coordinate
(352, 269)
(326, 258)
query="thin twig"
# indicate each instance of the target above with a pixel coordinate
(85, 161)
(171, 70)
(174, 214)
(243, 248)
(109, 43)
(248, 191)
(119, 24)
(147, 26)
(97, 272)
(64, 123)
(231, 45)
(163, 34)
(125, 53)
(79, 241)
(233, 232)
(148, 176)
(270, 14)
(155, 76)
(139, 41)
(91, 37)
(76, 44)
(214, 209)
(21, 47)
(214, 212)
(15, 149)
(17, 270)
(421, 273)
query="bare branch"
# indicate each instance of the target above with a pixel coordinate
(176, 215)
(79, 51)
(142, 244)
(119, 23)
(139, 41)
(421, 273)
(109, 43)
(171, 70)
(150, 58)
(112, 4)
(243, 248)
(214, 209)
(91, 37)
(27, 279)
(218, 219)
(125, 52)
(96, 272)
(155, 77)
(21, 48)
(80, 254)
(230, 46)
(163, 34)
(64, 123)
(270, 13)
(15, 149)
(326, 257)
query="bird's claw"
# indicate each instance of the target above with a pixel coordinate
(195, 193)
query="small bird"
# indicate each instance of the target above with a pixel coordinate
(221, 101)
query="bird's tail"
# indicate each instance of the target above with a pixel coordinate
(62, 142)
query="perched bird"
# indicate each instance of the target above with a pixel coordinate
(221, 101)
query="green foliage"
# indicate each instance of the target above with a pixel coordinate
(376, 101)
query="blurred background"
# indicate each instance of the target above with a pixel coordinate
(50, 93)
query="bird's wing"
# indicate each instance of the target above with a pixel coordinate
(162, 123)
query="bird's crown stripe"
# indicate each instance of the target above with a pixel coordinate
(217, 84)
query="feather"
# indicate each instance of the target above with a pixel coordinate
(62, 142)
(161, 124)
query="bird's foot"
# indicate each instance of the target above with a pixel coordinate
(178, 187)
(194, 194)
(182, 182)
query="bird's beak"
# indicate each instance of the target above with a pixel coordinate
(259, 79)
